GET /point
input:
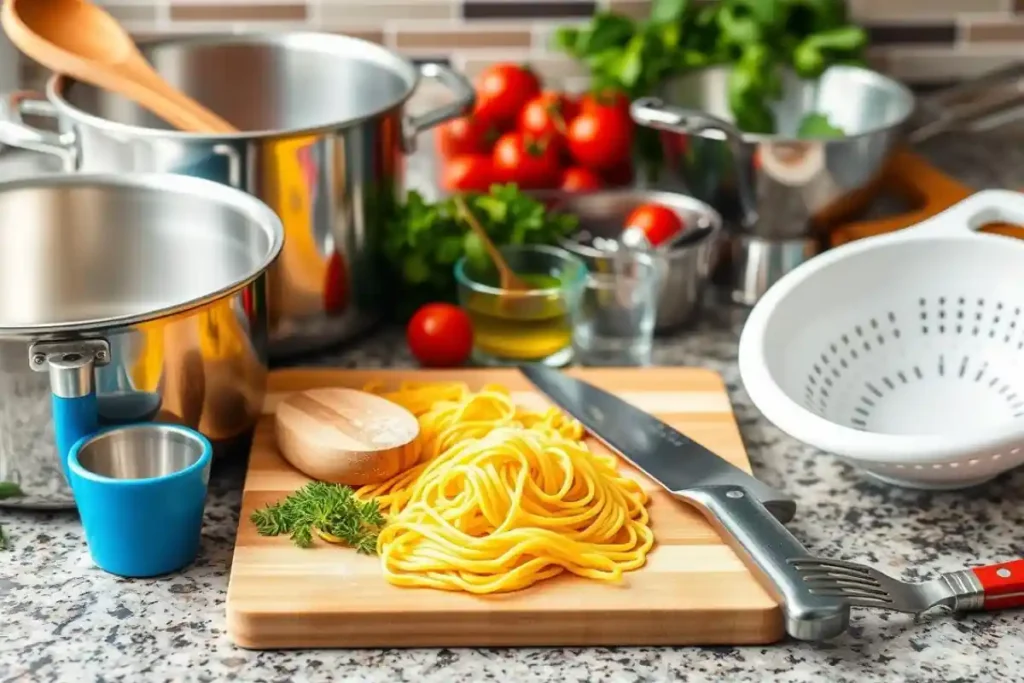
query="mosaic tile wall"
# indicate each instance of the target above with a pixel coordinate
(920, 41)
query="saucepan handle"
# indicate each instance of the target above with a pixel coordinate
(651, 112)
(16, 133)
(767, 548)
(464, 97)
(71, 366)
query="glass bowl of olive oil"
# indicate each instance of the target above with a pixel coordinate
(522, 326)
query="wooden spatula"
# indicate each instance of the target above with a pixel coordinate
(77, 38)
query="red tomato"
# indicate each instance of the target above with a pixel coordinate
(501, 92)
(605, 97)
(440, 335)
(579, 179)
(530, 163)
(601, 138)
(466, 135)
(659, 223)
(548, 115)
(474, 172)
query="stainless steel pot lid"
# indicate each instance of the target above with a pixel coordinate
(81, 252)
(264, 85)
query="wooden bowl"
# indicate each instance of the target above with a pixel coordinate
(344, 436)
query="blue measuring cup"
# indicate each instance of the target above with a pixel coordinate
(141, 491)
(140, 488)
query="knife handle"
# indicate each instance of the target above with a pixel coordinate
(767, 547)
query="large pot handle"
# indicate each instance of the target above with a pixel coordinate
(460, 87)
(654, 113)
(71, 366)
(16, 133)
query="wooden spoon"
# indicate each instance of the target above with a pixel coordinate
(346, 436)
(77, 38)
(508, 278)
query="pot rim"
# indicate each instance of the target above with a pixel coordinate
(242, 202)
(309, 40)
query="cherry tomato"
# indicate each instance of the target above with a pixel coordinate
(605, 97)
(474, 172)
(532, 164)
(440, 335)
(579, 179)
(548, 115)
(501, 92)
(659, 223)
(601, 138)
(466, 135)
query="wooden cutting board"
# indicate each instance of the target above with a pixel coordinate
(693, 590)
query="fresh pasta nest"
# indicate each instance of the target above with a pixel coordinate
(502, 497)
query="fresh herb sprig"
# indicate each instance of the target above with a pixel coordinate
(755, 36)
(331, 511)
(424, 239)
(8, 489)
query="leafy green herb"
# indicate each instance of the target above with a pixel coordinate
(755, 36)
(8, 489)
(425, 239)
(818, 126)
(331, 511)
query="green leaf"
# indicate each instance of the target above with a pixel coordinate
(816, 125)
(668, 11)
(8, 489)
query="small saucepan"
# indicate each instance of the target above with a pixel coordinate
(686, 265)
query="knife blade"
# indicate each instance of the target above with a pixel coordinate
(747, 514)
(666, 455)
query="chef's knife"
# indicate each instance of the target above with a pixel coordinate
(746, 513)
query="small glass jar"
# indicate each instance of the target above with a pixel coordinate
(511, 327)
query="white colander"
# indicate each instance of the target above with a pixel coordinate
(903, 353)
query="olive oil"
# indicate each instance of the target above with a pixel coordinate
(521, 328)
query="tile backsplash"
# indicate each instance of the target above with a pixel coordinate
(919, 41)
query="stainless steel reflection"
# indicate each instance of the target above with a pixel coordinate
(168, 272)
(141, 451)
(797, 184)
(685, 269)
(779, 187)
(325, 131)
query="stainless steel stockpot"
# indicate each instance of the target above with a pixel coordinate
(325, 132)
(147, 294)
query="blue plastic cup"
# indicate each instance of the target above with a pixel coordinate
(140, 491)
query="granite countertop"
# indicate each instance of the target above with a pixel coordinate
(63, 619)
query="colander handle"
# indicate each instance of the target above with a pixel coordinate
(768, 550)
(970, 215)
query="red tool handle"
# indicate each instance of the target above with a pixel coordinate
(1003, 584)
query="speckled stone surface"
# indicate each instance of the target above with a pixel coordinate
(61, 619)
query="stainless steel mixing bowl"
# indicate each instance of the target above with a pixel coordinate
(779, 186)
(157, 283)
(778, 194)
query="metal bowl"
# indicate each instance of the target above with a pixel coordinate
(686, 267)
(780, 186)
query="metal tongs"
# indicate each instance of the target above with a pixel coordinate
(980, 104)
